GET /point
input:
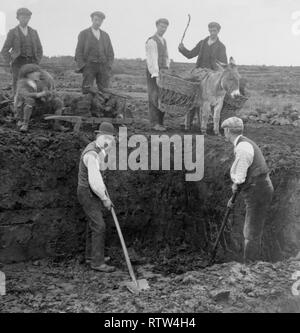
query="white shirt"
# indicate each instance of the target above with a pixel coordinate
(97, 33)
(24, 30)
(152, 56)
(92, 162)
(32, 84)
(244, 155)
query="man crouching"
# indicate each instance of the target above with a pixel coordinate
(93, 198)
(35, 91)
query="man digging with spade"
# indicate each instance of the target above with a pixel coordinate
(93, 197)
(250, 174)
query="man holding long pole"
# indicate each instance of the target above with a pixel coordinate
(251, 173)
(209, 51)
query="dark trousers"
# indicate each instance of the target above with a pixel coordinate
(15, 69)
(95, 230)
(258, 197)
(95, 72)
(190, 117)
(156, 116)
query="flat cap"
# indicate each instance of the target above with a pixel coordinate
(27, 69)
(99, 14)
(214, 25)
(233, 123)
(23, 11)
(106, 128)
(162, 20)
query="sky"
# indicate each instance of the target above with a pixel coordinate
(255, 32)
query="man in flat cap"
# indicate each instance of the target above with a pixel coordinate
(157, 60)
(93, 197)
(94, 55)
(209, 51)
(36, 95)
(22, 45)
(250, 174)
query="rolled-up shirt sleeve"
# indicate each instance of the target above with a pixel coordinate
(244, 155)
(152, 58)
(94, 175)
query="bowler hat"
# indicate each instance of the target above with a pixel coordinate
(106, 128)
(99, 14)
(23, 11)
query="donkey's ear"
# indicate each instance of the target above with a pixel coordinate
(232, 62)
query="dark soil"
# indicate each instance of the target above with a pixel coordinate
(68, 286)
(169, 225)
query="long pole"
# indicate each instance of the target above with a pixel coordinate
(189, 21)
(225, 220)
(128, 262)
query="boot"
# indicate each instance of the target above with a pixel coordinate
(252, 249)
(27, 116)
(18, 114)
(88, 260)
(24, 128)
(103, 268)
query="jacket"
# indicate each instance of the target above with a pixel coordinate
(84, 46)
(12, 47)
(218, 53)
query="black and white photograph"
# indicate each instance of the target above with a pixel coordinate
(149, 159)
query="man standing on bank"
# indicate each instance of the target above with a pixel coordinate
(93, 198)
(94, 55)
(250, 173)
(22, 46)
(157, 60)
(209, 51)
